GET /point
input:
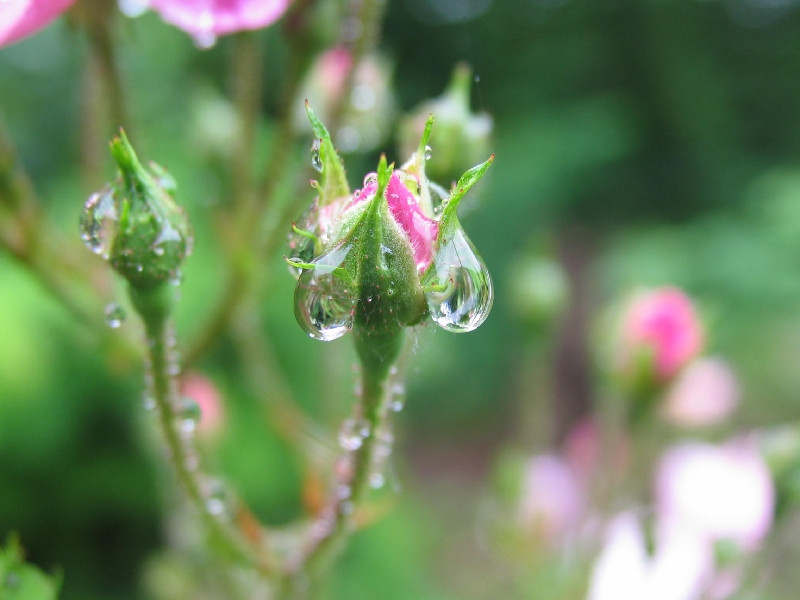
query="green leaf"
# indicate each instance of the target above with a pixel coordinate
(334, 180)
(21, 581)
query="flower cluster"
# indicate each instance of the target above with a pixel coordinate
(387, 255)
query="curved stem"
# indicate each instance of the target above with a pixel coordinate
(153, 306)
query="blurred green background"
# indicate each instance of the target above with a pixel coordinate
(638, 142)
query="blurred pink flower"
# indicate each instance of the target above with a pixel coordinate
(704, 393)
(206, 19)
(718, 492)
(552, 501)
(21, 18)
(663, 322)
(202, 390)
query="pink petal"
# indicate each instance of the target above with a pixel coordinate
(705, 393)
(21, 18)
(203, 18)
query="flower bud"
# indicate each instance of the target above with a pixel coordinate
(387, 255)
(135, 224)
(660, 334)
(461, 138)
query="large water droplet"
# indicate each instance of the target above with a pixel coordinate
(98, 222)
(323, 305)
(115, 315)
(428, 152)
(316, 160)
(464, 293)
(301, 247)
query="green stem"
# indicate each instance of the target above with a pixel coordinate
(337, 522)
(154, 305)
(246, 67)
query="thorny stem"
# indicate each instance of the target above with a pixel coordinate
(154, 307)
(337, 521)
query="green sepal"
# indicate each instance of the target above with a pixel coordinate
(449, 219)
(153, 235)
(22, 581)
(334, 180)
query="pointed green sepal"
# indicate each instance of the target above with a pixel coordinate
(334, 180)
(449, 218)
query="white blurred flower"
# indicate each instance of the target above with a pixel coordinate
(704, 393)
(719, 492)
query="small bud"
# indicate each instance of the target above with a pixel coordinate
(135, 224)
(660, 334)
(388, 255)
(462, 138)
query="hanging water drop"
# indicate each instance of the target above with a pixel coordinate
(324, 306)
(115, 315)
(376, 480)
(316, 160)
(189, 411)
(460, 292)
(428, 152)
(98, 222)
(370, 178)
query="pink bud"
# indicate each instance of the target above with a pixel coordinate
(662, 322)
(704, 393)
(202, 390)
(207, 19)
(404, 207)
(719, 492)
(21, 18)
(552, 500)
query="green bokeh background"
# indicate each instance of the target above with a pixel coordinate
(658, 139)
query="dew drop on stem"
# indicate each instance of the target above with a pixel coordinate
(316, 160)
(114, 315)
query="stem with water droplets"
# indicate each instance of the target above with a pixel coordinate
(155, 306)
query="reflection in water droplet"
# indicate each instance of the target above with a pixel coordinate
(428, 152)
(189, 410)
(98, 222)
(370, 178)
(316, 160)
(463, 296)
(115, 315)
(324, 306)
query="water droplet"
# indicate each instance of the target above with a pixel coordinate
(189, 409)
(343, 492)
(385, 250)
(316, 160)
(324, 306)
(346, 508)
(376, 480)
(115, 315)
(158, 250)
(149, 402)
(428, 152)
(98, 222)
(370, 178)
(215, 506)
(464, 296)
(352, 433)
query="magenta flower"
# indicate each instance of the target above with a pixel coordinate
(660, 328)
(21, 18)
(205, 20)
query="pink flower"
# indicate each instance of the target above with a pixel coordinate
(207, 19)
(719, 492)
(21, 18)
(202, 390)
(553, 500)
(704, 393)
(662, 322)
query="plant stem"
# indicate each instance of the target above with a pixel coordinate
(154, 306)
(246, 68)
(337, 521)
